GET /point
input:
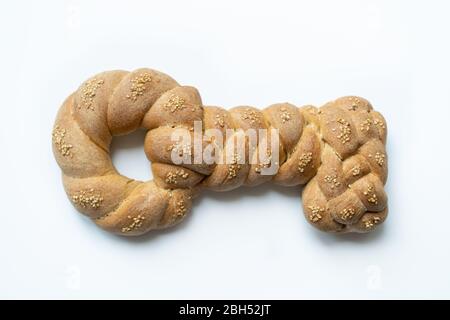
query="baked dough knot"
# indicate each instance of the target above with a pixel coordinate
(337, 151)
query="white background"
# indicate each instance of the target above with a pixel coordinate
(250, 243)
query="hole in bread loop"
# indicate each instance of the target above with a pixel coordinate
(128, 156)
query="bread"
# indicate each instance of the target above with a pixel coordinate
(337, 151)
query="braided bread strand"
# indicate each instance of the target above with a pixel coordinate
(337, 150)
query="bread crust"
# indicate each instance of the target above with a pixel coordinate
(337, 151)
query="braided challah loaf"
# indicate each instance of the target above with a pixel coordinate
(337, 150)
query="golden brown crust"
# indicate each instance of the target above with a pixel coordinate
(337, 151)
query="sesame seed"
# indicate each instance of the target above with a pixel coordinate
(251, 115)
(172, 177)
(354, 102)
(220, 120)
(233, 168)
(365, 125)
(379, 123)
(138, 86)
(265, 163)
(180, 209)
(136, 223)
(347, 214)
(332, 180)
(380, 158)
(344, 130)
(175, 103)
(370, 195)
(181, 149)
(87, 198)
(58, 137)
(88, 92)
(305, 159)
(316, 213)
(369, 224)
(285, 115)
(356, 170)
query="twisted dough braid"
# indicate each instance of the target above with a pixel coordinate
(337, 150)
